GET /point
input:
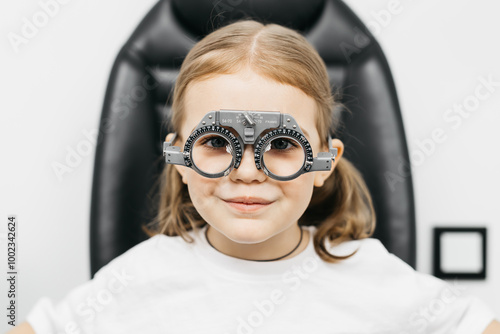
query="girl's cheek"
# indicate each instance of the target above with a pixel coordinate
(205, 186)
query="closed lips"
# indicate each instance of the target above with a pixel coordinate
(248, 200)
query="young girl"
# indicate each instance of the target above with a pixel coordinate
(246, 252)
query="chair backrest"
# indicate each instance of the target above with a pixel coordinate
(129, 158)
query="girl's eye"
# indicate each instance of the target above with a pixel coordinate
(283, 144)
(215, 142)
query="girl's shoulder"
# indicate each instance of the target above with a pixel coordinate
(370, 255)
(149, 255)
(384, 269)
(366, 247)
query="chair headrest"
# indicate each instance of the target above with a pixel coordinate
(290, 13)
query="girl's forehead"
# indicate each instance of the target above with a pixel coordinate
(251, 90)
(247, 92)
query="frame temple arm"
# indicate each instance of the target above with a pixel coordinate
(324, 160)
(173, 154)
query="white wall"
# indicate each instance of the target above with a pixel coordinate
(53, 90)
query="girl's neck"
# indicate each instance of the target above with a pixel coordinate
(272, 248)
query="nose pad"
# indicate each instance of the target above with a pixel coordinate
(247, 170)
(248, 156)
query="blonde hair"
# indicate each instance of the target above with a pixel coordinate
(342, 208)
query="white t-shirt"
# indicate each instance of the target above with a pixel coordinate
(166, 285)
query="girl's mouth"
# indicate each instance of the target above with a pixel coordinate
(247, 207)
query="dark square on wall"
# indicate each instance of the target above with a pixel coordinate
(460, 252)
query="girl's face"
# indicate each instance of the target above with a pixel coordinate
(235, 229)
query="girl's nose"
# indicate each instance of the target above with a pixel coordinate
(247, 171)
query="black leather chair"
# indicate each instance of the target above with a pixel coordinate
(129, 158)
